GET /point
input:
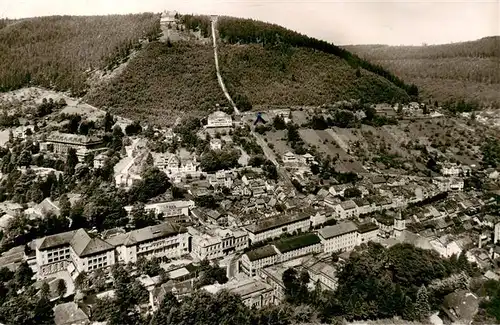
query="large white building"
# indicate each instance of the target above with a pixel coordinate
(72, 251)
(60, 143)
(169, 209)
(217, 243)
(163, 240)
(275, 227)
(77, 251)
(340, 237)
(346, 209)
(281, 251)
(254, 292)
(219, 119)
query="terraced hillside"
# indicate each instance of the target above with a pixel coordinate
(59, 52)
(468, 70)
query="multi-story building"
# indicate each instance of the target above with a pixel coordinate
(73, 250)
(219, 119)
(258, 258)
(254, 292)
(321, 272)
(169, 209)
(77, 251)
(62, 142)
(368, 232)
(164, 240)
(212, 244)
(293, 247)
(173, 165)
(340, 237)
(222, 178)
(346, 209)
(279, 252)
(275, 227)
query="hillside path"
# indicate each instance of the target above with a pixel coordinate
(219, 76)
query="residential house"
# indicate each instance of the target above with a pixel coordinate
(217, 243)
(168, 18)
(169, 209)
(99, 160)
(219, 121)
(460, 307)
(340, 237)
(289, 158)
(221, 178)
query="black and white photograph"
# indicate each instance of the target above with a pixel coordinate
(249, 162)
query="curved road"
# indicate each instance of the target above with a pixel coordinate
(219, 76)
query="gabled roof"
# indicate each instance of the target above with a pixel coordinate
(84, 245)
(338, 229)
(55, 240)
(158, 231)
(69, 313)
(348, 205)
(79, 240)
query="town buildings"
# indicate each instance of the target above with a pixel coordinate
(254, 292)
(77, 251)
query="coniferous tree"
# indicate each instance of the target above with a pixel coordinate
(422, 306)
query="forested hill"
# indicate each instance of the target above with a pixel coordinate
(467, 70)
(248, 31)
(57, 52)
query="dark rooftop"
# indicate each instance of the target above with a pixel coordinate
(272, 223)
(293, 243)
(261, 252)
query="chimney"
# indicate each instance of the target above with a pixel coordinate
(480, 241)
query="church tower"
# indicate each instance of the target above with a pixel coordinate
(399, 225)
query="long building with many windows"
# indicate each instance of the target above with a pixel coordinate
(78, 251)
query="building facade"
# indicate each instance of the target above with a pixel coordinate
(62, 142)
(257, 259)
(219, 119)
(340, 237)
(275, 227)
(217, 243)
(72, 251)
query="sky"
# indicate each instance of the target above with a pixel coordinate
(394, 22)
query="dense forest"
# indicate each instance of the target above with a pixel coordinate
(467, 70)
(247, 31)
(163, 78)
(299, 76)
(57, 52)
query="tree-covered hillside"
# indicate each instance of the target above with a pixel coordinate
(299, 76)
(467, 70)
(247, 31)
(161, 80)
(56, 52)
